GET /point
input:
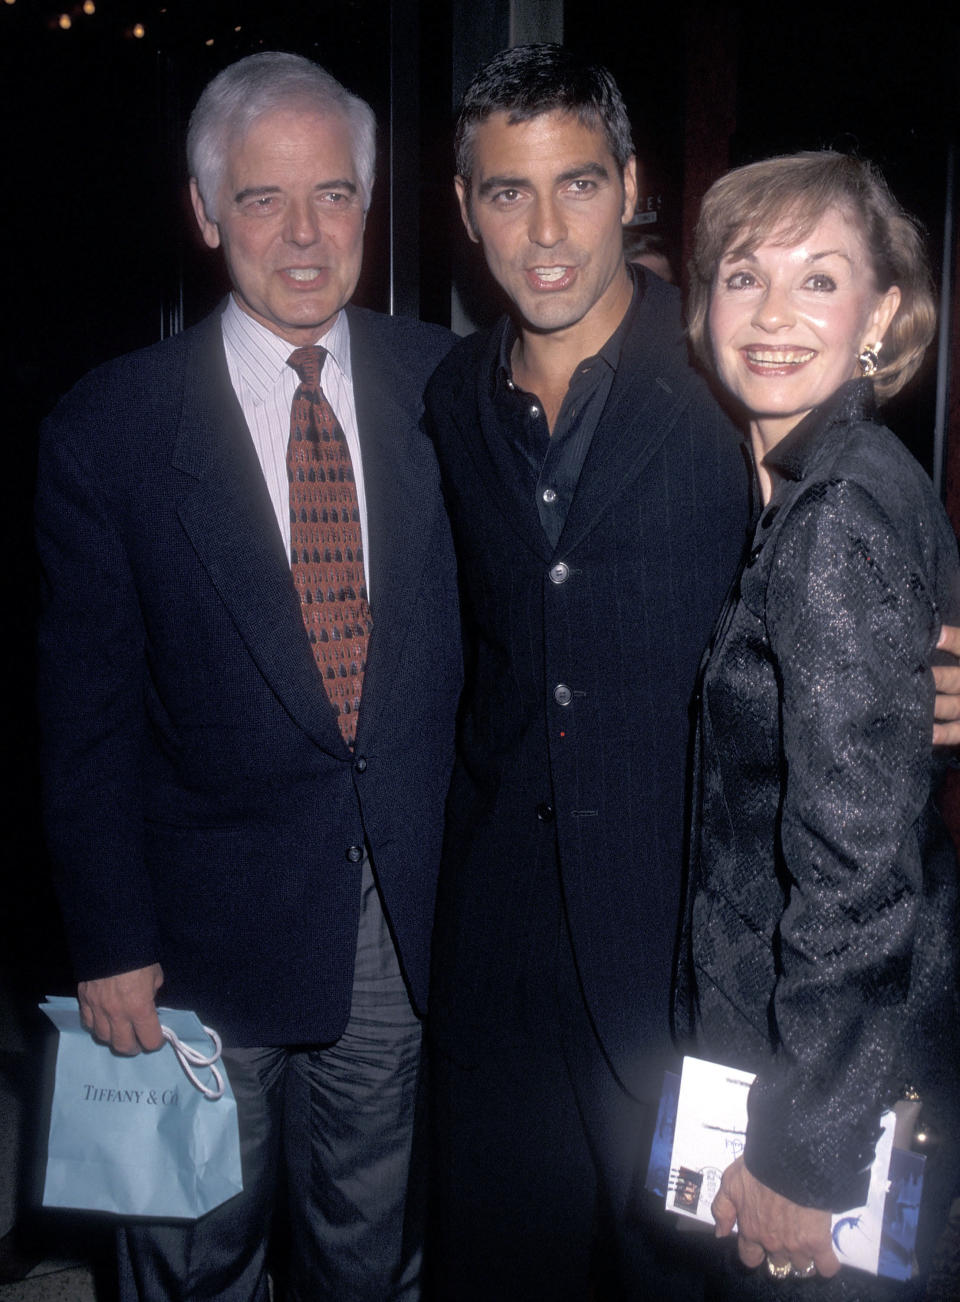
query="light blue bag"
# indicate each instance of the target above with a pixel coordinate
(140, 1136)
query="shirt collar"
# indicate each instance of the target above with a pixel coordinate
(261, 356)
(609, 353)
(795, 454)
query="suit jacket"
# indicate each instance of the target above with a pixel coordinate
(581, 664)
(202, 808)
(823, 926)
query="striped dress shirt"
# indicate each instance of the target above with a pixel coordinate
(265, 385)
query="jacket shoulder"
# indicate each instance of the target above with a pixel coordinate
(146, 379)
(463, 365)
(417, 345)
(879, 474)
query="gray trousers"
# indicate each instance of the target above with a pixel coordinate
(337, 1121)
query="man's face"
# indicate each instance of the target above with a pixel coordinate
(547, 203)
(290, 219)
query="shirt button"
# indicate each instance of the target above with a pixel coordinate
(534, 410)
(354, 853)
(562, 694)
(549, 495)
(559, 573)
(545, 812)
(360, 764)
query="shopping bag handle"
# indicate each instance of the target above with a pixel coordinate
(190, 1058)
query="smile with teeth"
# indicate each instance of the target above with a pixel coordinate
(303, 273)
(549, 273)
(778, 357)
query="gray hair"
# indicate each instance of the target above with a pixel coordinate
(257, 85)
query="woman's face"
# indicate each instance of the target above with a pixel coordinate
(788, 320)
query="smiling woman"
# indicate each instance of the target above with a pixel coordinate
(788, 320)
(821, 934)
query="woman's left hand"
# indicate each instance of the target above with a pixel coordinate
(771, 1226)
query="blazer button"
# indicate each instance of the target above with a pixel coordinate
(559, 573)
(562, 694)
(545, 812)
(360, 764)
(354, 853)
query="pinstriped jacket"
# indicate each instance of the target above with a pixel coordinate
(576, 706)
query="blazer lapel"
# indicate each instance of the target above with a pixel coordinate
(227, 514)
(402, 488)
(646, 399)
(482, 435)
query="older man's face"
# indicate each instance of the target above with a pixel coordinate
(290, 220)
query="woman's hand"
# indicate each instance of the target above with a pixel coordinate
(770, 1225)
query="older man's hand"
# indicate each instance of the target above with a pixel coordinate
(120, 1010)
(770, 1225)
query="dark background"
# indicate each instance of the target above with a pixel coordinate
(100, 253)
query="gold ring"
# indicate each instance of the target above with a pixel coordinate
(783, 1271)
(808, 1270)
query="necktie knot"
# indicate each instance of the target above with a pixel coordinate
(308, 364)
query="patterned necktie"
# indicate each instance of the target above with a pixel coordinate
(326, 545)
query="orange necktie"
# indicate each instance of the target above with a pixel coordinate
(326, 545)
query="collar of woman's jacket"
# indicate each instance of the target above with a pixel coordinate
(796, 453)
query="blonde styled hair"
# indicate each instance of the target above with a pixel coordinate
(789, 195)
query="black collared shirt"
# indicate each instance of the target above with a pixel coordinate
(549, 466)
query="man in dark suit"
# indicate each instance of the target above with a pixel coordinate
(245, 758)
(598, 499)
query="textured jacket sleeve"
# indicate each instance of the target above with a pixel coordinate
(852, 627)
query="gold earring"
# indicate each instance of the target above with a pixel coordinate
(868, 359)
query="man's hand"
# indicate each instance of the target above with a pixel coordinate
(946, 708)
(120, 1010)
(770, 1225)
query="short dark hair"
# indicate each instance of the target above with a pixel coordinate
(790, 194)
(529, 80)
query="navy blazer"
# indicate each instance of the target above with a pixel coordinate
(202, 807)
(582, 660)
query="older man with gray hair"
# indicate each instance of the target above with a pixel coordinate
(249, 665)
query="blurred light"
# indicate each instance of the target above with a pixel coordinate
(65, 22)
(10, 2)
(89, 7)
(209, 41)
(238, 28)
(138, 31)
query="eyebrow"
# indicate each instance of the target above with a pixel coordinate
(255, 192)
(831, 253)
(735, 255)
(504, 182)
(258, 191)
